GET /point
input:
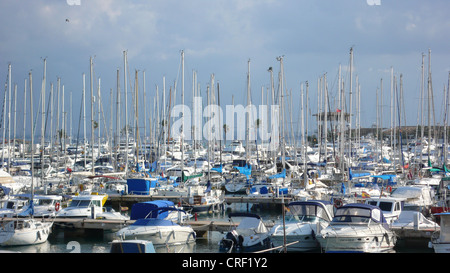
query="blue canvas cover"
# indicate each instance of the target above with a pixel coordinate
(142, 210)
(153, 222)
(141, 186)
(279, 175)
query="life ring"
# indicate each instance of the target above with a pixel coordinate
(57, 206)
(338, 203)
(389, 188)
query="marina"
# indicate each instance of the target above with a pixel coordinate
(114, 160)
(338, 193)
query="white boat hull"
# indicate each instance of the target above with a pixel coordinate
(10, 236)
(159, 235)
(296, 243)
(357, 239)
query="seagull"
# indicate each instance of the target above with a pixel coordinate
(67, 20)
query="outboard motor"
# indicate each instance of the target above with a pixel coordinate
(230, 241)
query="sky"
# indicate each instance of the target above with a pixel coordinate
(223, 37)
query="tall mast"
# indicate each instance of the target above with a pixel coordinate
(247, 137)
(421, 107)
(84, 118)
(126, 108)
(350, 104)
(9, 117)
(182, 116)
(32, 136)
(91, 144)
(99, 99)
(429, 103)
(136, 115)
(24, 115)
(281, 101)
(43, 119)
(117, 139)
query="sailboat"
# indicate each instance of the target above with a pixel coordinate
(26, 231)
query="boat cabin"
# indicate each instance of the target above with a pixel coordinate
(132, 246)
(312, 210)
(357, 213)
(391, 207)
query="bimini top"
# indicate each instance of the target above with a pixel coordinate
(319, 208)
(153, 222)
(142, 210)
(363, 212)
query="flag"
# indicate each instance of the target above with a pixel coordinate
(365, 195)
(338, 110)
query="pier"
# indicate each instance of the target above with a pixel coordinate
(129, 199)
(86, 225)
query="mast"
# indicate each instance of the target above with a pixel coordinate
(446, 120)
(421, 108)
(24, 116)
(32, 139)
(91, 144)
(280, 59)
(381, 119)
(98, 115)
(429, 104)
(117, 139)
(247, 136)
(84, 118)
(126, 108)
(43, 119)
(9, 117)
(182, 116)
(305, 176)
(136, 115)
(350, 104)
(145, 117)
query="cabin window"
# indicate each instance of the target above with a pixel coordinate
(79, 203)
(385, 206)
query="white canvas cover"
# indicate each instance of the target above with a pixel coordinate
(251, 225)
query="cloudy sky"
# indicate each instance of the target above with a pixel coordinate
(220, 36)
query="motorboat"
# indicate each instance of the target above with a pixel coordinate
(304, 220)
(249, 236)
(11, 206)
(357, 227)
(205, 199)
(149, 209)
(391, 207)
(417, 198)
(132, 246)
(90, 206)
(24, 231)
(161, 232)
(440, 240)
(413, 229)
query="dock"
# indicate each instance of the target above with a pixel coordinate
(129, 199)
(201, 227)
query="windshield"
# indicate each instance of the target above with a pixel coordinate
(44, 202)
(356, 215)
(308, 212)
(384, 206)
(80, 203)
